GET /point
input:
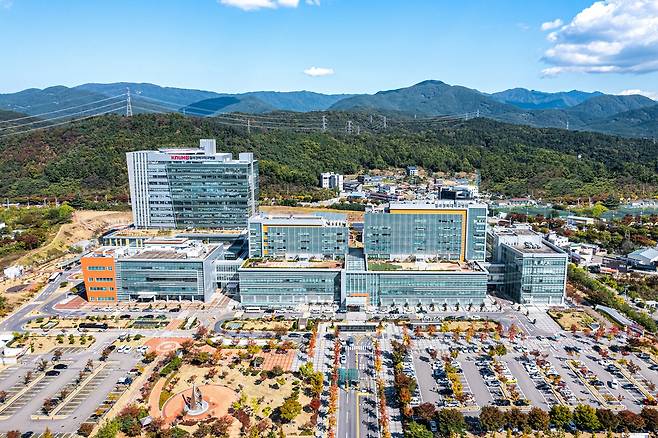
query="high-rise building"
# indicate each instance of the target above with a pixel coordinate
(192, 188)
(319, 236)
(445, 230)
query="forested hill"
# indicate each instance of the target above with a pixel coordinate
(88, 157)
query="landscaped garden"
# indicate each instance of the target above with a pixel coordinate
(251, 389)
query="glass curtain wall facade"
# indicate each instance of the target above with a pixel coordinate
(362, 287)
(454, 232)
(193, 279)
(305, 237)
(534, 278)
(288, 287)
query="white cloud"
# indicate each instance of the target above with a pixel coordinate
(6, 4)
(319, 71)
(254, 5)
(550, 25)
(313, 2)
(650, 94)
(610, 36)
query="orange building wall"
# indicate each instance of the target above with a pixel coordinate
(91, 277)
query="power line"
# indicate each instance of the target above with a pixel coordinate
(21, 108)
(60, 110)
(58, 124)
(60, 117)
(176, 107)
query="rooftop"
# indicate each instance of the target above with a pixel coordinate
(156, 233)
(158, 255)
(292, 264)
(437, 266)
(310, 220)
(536, 248)
(434, 205)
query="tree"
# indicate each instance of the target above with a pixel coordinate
(491, 418)
(187, 345)
(451, 421)
(425, 411)
(417, 430)
(607, 419)
(201, 332)
(516, 419)
(14, 434)
(630, 421)
(57, 355)
(512, 332)
(290, 409)
(47, 433)
(560, 416)
(538, 419)
(650, 416)
(584, 416)
(221, 427)
(43, 364)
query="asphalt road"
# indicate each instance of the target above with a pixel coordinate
(357, 404)
(43, 302)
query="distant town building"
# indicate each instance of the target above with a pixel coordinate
(330, 180)
(412, 171)
(198, 188)
(644, 258)
(574, 221)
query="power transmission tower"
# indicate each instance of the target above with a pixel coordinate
(324, 123)
(384, 117)
(129, 106)
(349, 126)
(248, 126)
(477, 114)
(358, 130)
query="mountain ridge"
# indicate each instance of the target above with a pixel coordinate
(570, 109)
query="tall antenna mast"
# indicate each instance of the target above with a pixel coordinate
(324, 123)
(129, 106)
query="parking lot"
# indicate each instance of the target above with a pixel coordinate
(22, 409)
(536, 371)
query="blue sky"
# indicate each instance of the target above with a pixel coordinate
(361, 45)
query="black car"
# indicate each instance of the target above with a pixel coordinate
(52, 373)
(60, 366)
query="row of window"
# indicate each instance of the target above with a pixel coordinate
(100, 268)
